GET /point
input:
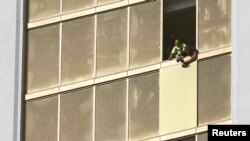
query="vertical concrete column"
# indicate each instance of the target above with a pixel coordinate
(11, 44)
(240, 62)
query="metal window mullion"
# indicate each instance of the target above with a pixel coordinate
(58, 117)
(94, 99)
(61, 7)
(60, 55)
(128, 37)
(127, 109)
(95, 46)
(161, 30)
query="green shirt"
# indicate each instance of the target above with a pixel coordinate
(178, 50)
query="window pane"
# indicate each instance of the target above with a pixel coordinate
(214, 24)
(214, 89)
(178, 98)
(186, 139)
(43, 58)
(40, 9)
(143, 106)
(78, 50)
(145, 34)
(104, 2)
(202, 137)
(112, 42)
(72, 5)
(77, 115)
(111, 111)
(41, 120)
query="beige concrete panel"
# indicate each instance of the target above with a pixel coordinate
(78, 50)
(41, 120)
(43, 58)
(178, 98)
(145, 34)
(76, 121)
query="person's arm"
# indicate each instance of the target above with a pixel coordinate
(193, 57)
(173, 53)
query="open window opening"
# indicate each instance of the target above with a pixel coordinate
(179, 22)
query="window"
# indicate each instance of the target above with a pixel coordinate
(110, 114)
(214, 89)
(179, 21)
(145, 34)
(76, 121)
(41, 119)
(78, 50)
(41, 9)
(43, 58)
(143, 106)
(111, 42)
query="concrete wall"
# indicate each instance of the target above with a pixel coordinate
(241, 65)
(11, 21)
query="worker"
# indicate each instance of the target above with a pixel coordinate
(181, 50)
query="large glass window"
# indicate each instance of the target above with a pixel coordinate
(202, 137)
(76, 121)
(178, 98)
(40, 9)
(143, 106)
(145, 34)
(43, 58)
(214, 89)
(78, 50)
(111, 42)
(105, 2)
(41, 119)
(185, 139)
(214, 24)
(110, 113)
(73, 5)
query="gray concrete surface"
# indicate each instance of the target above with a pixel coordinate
(241, 62)
(11, 21)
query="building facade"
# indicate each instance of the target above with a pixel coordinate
(97, 70)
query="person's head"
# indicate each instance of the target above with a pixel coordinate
(177, 42)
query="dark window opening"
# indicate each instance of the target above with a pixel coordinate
(179, 22)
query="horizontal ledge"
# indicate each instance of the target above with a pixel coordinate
(144, 69)
(41, 93)
(215, 52)
(110, 77)
(83, 12)
(137, 1)
(120, 75)
(78, 14)
(152, 139)
(192, 131)
(44, 22)
(111, 6)
(179, 134)
(76, 85)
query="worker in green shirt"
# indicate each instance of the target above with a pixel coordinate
(181, 50)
